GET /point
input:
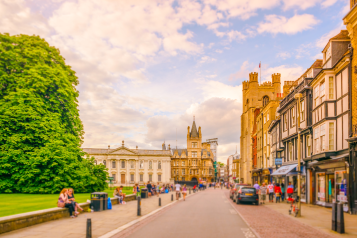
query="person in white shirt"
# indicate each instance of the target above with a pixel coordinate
(178, 190)
(271, 192)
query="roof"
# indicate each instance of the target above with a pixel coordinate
(179, 151)
(342, 36)
(194, 132)
(125, 150)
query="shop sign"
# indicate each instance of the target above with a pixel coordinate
(266, 171)
(342, 198)
(278, 161)
(255, 174)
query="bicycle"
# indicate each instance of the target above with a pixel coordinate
(293, 207)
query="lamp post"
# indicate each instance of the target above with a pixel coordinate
(297, 97)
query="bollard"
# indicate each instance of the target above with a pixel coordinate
(89, 228)
(139, 206)
(172, 197)
(179, 195)
(334, 216)
(159, 202)
(190, 191)
(340, 222)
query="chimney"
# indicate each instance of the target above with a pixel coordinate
(136, 147)
(108, 147)
(169, 147)
(122, 143)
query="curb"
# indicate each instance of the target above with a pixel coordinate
(131, 223)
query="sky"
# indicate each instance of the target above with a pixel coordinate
(145, 68)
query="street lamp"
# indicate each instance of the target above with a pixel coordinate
(297, 97)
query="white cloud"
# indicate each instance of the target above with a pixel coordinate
(243, 72)
(219, 51)
(207, 59)
(304, 4)
(323, 40)
(283, 55)
(288, 73)
(279, 24)
(236, 35)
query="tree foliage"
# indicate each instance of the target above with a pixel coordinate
(40, 129)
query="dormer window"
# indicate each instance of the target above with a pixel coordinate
(328, 53)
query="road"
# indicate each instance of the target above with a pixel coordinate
(206, 214)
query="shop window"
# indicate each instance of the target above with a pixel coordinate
(321, 188)
(341, 186)
(331, 136)
(331, 88)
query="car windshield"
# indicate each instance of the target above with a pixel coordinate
(248, 190)
(237, 185)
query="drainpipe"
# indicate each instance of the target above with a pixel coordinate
(350, 162)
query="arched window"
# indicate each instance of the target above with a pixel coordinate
(159, 165)
(150, 164)
(132, 164)
(265, 100)
(105, 163)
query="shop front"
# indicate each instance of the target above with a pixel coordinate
(256, 174)
(265, 177)
(288, 174)
(331, 181)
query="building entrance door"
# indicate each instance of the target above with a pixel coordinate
(122, 178)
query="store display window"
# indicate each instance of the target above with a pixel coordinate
(321, 188)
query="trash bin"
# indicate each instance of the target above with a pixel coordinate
(99, 201)
(144, 193)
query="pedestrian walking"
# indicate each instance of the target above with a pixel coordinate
(257, 187)
(263, 193)
(277, 191)
(178, 190)
(184, 192)
(282, 192)
(271, 192)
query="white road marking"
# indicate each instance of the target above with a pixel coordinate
(248, 233)
(232, 211)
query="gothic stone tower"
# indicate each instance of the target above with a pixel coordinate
(255, 95)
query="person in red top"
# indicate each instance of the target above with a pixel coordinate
(194, 187)
(277, 191)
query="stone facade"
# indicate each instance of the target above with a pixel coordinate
(131, 166)
(255, 95)
(194, 163)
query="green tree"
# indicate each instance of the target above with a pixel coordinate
(40, 129)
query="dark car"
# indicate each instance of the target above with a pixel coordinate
(235, 190)
(248, 194)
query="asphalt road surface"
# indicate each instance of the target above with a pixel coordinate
(206, 214)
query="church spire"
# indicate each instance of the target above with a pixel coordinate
(194, 132)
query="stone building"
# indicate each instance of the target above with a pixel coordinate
(255, 95)
(131, 166)
(196, 161)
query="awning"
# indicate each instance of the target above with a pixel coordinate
(284, 170)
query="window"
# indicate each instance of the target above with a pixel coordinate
(316, 96)
(265, 139)
(132, 177)
(105, 163)
(204, 163)
(292, 117)
(159, 165)
(322, 91)
(302, 110)
(183, 171)
(150, 177)
(265, 120)
(190, 171)
(285, 122)
(316, 140)
(194, 144)
(150, 164)
(331, 88)
(159, 178)
(290, 151)
(331, 134)
(132, 164)
(267, 117)
(95, 162)
(141, 164)
(113, 176)
(123, 164)
(183, 163)
(308, 143)
(113, 164)
(322, 137)
(265, 100)
(194, 154)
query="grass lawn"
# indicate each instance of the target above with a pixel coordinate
(16, 203)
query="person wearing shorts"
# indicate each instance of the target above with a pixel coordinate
(178, 190)
(263, 193)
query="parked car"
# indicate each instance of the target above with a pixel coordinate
(235, 190)
(247, 194)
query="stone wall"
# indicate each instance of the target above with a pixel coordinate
(14, 222)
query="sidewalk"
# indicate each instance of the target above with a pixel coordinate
(102, 222)
(318, 217)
